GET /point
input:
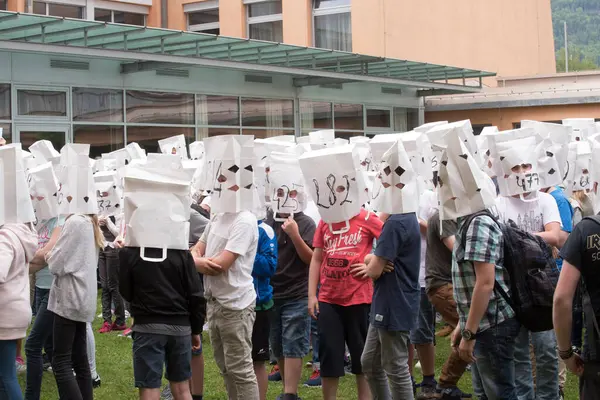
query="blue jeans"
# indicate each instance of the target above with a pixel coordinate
(290, 328)
(9, 384)
(39, 337)
(424, 330)
(495, 351)
(546, 361)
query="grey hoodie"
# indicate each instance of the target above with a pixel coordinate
(18, 243)
(73, 262)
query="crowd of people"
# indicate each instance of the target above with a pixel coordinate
(274, 246)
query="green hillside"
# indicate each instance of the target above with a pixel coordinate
(583, 27)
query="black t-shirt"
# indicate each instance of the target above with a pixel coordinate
(290, 281)
(582, 250)
(438, 259)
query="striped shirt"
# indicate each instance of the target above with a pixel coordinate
(483, 243)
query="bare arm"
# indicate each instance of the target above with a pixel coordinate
(112, 227)
(485, 278)
(225, 259)
(449, 242)
(562, 238)
(304, 251)
(562, 315)
(423, 226)
(551, 234)
(314, 272)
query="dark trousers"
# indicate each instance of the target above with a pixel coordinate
(108, 264)
(39, 337)
(70, 355)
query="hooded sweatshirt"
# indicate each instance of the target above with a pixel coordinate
(73, 262)
(18, 243)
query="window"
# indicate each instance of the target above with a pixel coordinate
(265, 21)
(315, 115)
(6, 132)
(148, 136)
(4, 101)
(119, 17)
(2, 4)
(160, 108)
(379, 118)
(102, 139)
(218, 110)
(97, 105)
(273, 115)
(57, 10)
(332, 24)
(348, 117)
(477, 128)
(205, 20)
(44, 103)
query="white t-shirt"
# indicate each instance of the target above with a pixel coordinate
(529, 216)
(237, 233)
(427, 206)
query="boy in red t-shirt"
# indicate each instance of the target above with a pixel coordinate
(342, 309)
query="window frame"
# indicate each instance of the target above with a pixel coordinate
(112, 14)
(263, 18)
(202, 28)
(77, 3)
(16, 117)
(328, 11)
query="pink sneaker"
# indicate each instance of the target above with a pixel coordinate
(20, 365)
(116, 327)
(106, 327)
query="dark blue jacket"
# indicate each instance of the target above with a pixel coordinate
(265, 263)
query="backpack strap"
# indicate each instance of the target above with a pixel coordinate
(594, 218)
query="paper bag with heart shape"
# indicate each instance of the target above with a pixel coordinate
(157, 205)
(77, 192)
(15, 200)
(228, 173)
(463, 187)
(174, 145)
(335, 182)
(43, 188)
(395, 190)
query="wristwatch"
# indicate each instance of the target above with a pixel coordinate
(467, 335)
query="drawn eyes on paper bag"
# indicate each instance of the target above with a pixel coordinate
(225, 179)
(287, 198)
(336, 191)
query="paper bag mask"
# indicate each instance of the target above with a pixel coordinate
(437, 139)
(43, 188)
(116, 160)
(463, 188)
(157, 207)
(553, 165)
(288, 190)
(427, 127)
(44, 151)
(174, 145)
(228, 173)
(197, 150)
(395, 190)
(336, 183)
(77, 192)
(595, 173)
(108, 193)
(135, 152)
(15, 201)
(582, 128)
(361, 144)
(580, 155)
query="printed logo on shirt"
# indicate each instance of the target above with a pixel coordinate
(529, 222)
(343, 241)
(593, 243)
(378, 317)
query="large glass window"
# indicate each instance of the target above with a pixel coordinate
(148, 136)
(217, 110)
(315, 115)
(57, 10)
(160, 108)
(332, 24)
(265, 21)
(379, 118)
(57, 138)
(4, 101)
(348, 117)
(101, 138)
(270, 113)
(2, 4)
(209, 132)
(41, 103)
(205, 21)
(119, 17)
(98, 105)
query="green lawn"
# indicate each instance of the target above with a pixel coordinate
(113, 358)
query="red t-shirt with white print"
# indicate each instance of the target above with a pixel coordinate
(340, 251)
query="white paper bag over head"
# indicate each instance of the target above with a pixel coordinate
(395, 190)
(228, 173)
(430, 125)
(174, 145)
(437, 137)
(288, 189)
(595, 173)
(582, 128)
(15, 200)
(43, 188)
(197, 150)
(335, 182)
(135, 151)
(463, 188)
(157, 207)
(44, 151)
(108, 193)
(580, 159)
(77, 193)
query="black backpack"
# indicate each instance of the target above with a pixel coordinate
(533, 274)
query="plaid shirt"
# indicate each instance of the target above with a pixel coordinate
(483, 244)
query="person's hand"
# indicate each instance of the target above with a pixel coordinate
(196, 343)
(119, 242)
(290, 227)
(207, 267)
(455, 338)
(465, 350)
(362, 271)
(389, 267)
(102, 221)
(575, 364)
(313, 307)
(2, 141)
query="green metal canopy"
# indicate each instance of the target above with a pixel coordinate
(177, 49)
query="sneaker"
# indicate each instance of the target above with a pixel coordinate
(166, 393)
(348, 365)
(275, 375)
(427, 392)
(308, 364)
(116, 327)
(96, 382)
(453, 394)
(106, 327)
(314, 380)
(126, 333)
(20, 365)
